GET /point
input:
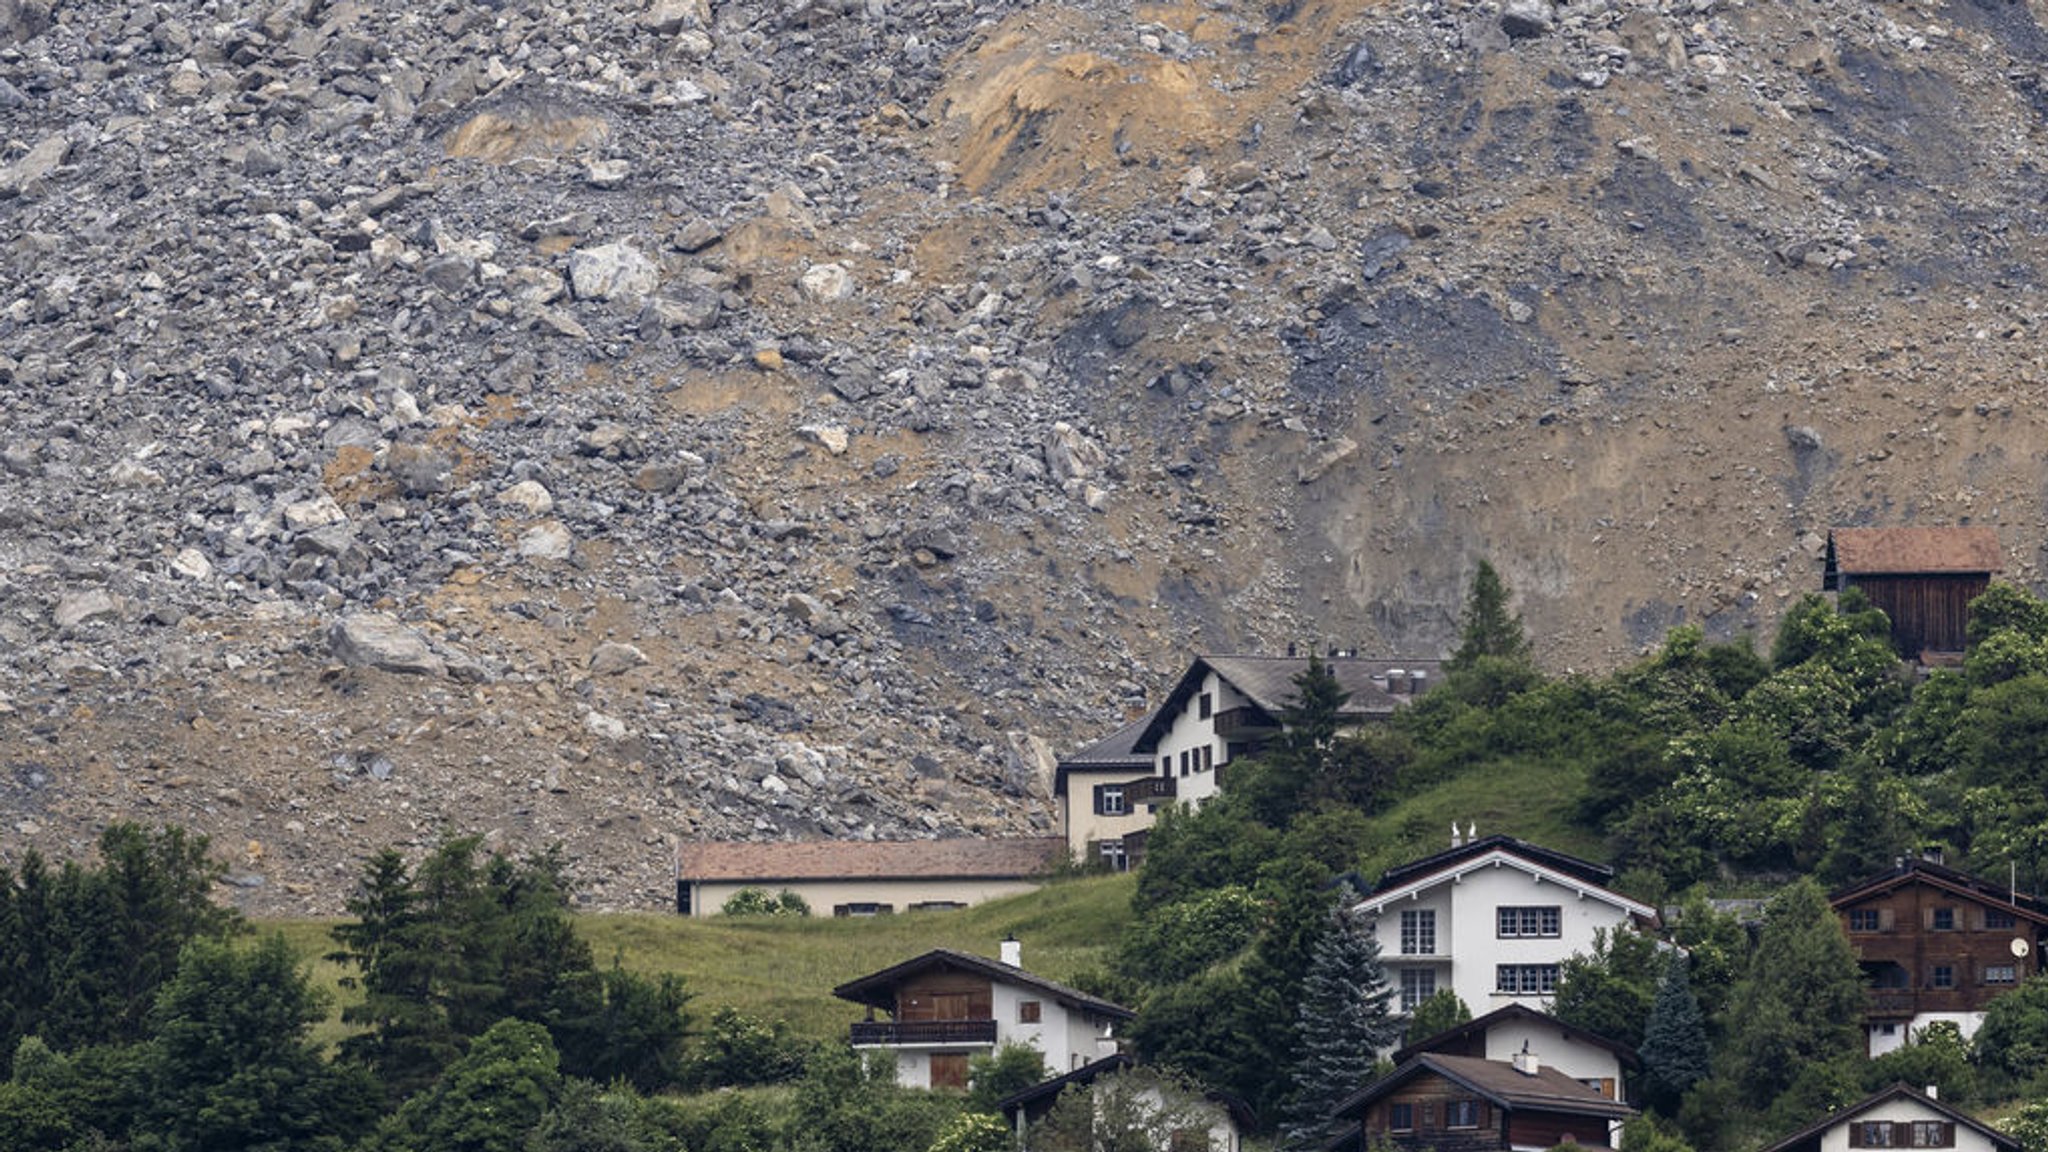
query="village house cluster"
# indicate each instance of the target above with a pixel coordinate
(1491, 918)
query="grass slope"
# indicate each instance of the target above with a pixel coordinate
(776, 968)
(1531, 800)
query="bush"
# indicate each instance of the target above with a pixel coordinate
(757, 902)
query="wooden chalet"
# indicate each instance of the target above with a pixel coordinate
(1936, 944)
(1923, 579)
(1468, 1104)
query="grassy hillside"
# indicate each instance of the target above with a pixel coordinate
(1532, 800)
(786, 968)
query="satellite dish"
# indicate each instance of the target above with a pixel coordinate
(2020, 947)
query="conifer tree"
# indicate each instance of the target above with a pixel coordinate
(1795, 1022)
(1674, 1047)
(1487, 628)
(1343, 1023)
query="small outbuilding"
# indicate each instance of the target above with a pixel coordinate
(1923, 579)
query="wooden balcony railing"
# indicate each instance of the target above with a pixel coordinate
(1242, 722)
(1890, 1002)
(879, 1032)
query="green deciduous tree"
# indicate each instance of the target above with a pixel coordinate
(489, 1100)
(1610, 991)
(761, 902)
(1795, 1021)
(1011, 1069)
(1139, 1110)
(1438, 1013)
(739, 1050)
(2013, 1040)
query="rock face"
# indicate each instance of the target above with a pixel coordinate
(376, 379)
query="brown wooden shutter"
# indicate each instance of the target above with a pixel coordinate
(1948, 1134)
(1855, 1134)
(1884, 919)
(1902, 1134)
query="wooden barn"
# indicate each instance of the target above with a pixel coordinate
(1923, 579)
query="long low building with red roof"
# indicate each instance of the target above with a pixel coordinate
(864, 877)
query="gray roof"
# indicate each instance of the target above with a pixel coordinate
(1547, 1091)
(878, 990)
(1268, 682)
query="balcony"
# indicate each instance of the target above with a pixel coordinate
(912, 1033)
(1890, 1002)
(1245, 724)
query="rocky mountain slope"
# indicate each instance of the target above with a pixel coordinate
(636, 420)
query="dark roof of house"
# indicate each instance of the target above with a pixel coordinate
(1268, 682)
(1480, 1025)
(1998, 1139)
(1949, 879)
(1113, 753)
(1915, 551)
(878, 990)
(768, 862)
(1498, 1081)
(1041, 1095)
(1586, 870)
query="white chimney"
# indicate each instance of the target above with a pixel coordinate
(1934, 1091)
(1455, 841)
(1526, 1062)
(1013, 952)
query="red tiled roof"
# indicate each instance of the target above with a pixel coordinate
(1916, 550)
(763, 861)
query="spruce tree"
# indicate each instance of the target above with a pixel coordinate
(1674, 1047)
(1487, 628)
(1795, 1022)
(1343, 1023)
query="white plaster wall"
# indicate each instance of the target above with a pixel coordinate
(1897, 1110)
(1966, 1022)
(1477, 947)
(1084, 826)
(1189, 732)
(1576, 1059)
(708, 897)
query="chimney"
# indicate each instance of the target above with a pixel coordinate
(1013, 952)
(1934, 1091)
(1418, 682)
(1455, 842)
(1397, 681)
(1526, 1062)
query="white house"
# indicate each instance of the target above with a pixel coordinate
(1901, 1116)
(1491, 920)
(947, 1006)
(1221, 708)
(1213, 1122)
(1515, 1030)
(863, 877)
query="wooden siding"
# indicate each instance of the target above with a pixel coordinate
(1549, 1129)
(945, 996)
(1430, 1096)
(1906, 936)
(1928, 613)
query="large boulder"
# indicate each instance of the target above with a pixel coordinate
(378, 640)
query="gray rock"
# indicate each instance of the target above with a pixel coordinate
(1803, 438)
(420, 469)
(378, 640)
(1528, 19)
(547, 541)
(612, 659)
(76, 608)
(24, 174)
(698, 235)
(616, 271)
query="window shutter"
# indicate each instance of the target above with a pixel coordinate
(1098, 799)
(1884, 919)
(1855, 1135)
(1927, 918)
(1902, 1134)
(1948, 1134)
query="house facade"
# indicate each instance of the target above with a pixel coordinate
(864, 878)
(1221, 708)
(945, 1007)
(1513, 1029)
(1491, 920)
(1923, 578)
(1899, 1117)
(1213, 1123)
(1937, 945)
(1469, 1104)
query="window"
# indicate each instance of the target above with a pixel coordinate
(1166, 765)
(1862, 919)
(1401, 1117)
(949, 1069)
(1187, 761)
(1417, 985)
(1525, 979)
(1944, 920)
(1539, 921)
(1997, 918)
(1109, 800)
(1944, 976)
(1461, 1114)
(1870, 1134)
(1112, 853)
(863, 908)
(2001, 974)
(1027, 1011)
(1208, 705)
(1418, 932)
(1208, 757)
(1933, 1134)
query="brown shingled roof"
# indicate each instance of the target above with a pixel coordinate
(1900, 551)
(763, 862)
(1547, 1091)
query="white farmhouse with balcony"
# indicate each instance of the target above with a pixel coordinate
(945, 1007)
(1491, 920)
